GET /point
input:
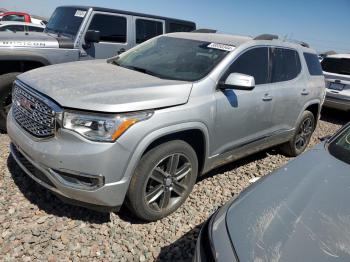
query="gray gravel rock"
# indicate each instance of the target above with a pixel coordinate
(35, 225)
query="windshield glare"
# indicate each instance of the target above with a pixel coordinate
(173, 58)
(340, 147)
(65, 21)
(336, 65)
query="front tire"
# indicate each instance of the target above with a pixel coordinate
(6, 82)
(162, 180)
(305, 128)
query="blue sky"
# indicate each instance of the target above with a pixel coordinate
(324, 24)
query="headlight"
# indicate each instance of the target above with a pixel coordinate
(104, 128)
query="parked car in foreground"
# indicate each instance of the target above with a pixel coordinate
(73, 34)
(298, 213)
(144, 124)
(15, 27)
(336, 69)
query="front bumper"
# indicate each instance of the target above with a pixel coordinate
(67, 151)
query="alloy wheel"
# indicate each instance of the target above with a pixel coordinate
(167, 182)
(304, 133)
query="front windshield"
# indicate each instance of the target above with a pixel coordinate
(65, 21)
(173, 58)
(340, 147)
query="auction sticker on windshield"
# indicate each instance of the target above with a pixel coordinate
(221, 47)
(80, 13)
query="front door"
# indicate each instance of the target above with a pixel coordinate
(115, 35)
(244, 117)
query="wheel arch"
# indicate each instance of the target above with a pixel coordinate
(314, 106)
(20, 62)
(184, 131)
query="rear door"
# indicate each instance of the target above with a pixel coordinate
(146, 28)
(288, 87)
(115, 34)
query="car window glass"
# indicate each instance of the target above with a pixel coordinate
(313, 64)
(173, 58)
(12, 28)
(285, 64)
(147, 29)
(177, 27)
(112, 28)
(340, 147)
(16, 18)
(253, 62)
(66, 21)
(336, 65)
(35, 29)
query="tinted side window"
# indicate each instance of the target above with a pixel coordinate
(13, 18)
(112, 28)
(12, 28)
(35, 29)
(313, 64)
(147, 29)
(285, 64)
(254, 62)
(177, 27)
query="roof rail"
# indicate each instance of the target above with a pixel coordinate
(304, 44)
(204, 30)
(266, 37)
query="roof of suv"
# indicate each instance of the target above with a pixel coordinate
(2, 23)
(108, 10)
(236, 40)
(214, 37)
(339, 56)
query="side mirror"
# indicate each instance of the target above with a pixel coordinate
(92, 36)
(238, 81)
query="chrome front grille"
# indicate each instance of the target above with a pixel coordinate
(32, 113)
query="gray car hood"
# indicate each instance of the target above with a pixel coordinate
(29, 40)
(99, 86)
(299, 213)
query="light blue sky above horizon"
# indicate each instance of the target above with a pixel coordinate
(324, 24)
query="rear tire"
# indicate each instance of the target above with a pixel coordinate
(162, 181)
(305, 128)
(6, 82)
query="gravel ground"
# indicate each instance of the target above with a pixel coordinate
(35, 225)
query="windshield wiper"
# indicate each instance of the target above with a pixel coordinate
(139, 69)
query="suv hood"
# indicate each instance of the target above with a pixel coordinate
(34, 40)
(298, 213)
(100, 86)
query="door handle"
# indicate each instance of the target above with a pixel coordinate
(121, 50)
(304, 92)
(267, 97)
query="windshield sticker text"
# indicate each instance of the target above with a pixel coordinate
(80, 13)
(228, 48)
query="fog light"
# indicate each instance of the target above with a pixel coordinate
(78, 180)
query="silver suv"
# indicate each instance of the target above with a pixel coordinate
(336, 69)
(142, 126)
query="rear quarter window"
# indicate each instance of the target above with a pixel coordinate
(313, 64)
